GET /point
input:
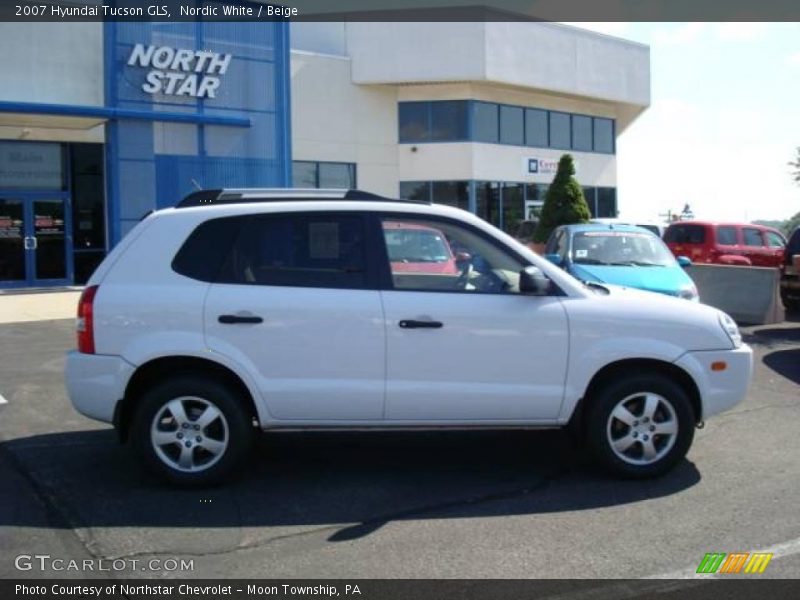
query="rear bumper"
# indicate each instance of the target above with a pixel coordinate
(96, 383)
(720, 390)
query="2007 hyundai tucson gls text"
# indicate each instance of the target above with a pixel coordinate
(240, 310)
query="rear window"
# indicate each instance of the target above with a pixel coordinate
(205, 250)
(685, 234)
(726, 236)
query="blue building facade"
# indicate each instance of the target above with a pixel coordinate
(186, 106)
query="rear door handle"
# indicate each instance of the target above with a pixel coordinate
(231, 319)
(412, 324)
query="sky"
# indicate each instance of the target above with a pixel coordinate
(723, 122)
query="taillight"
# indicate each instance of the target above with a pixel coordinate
(86, 320)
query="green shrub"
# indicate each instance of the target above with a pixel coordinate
(564, 203)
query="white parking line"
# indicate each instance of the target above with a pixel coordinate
(3, 400)
(778, 550)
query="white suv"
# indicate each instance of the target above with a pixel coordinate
(270, 309)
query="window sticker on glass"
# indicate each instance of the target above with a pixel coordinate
(323, 240)
(581, 253)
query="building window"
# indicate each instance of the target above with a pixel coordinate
(589, 195)
(311, 174)
(487, 201)
(485, 122)
(504, 204)
(478, 121)
(415, 190)
(581, 133)
(448, 121)
(536, 128)
(452, 193)
(606, 202)
(88, 208)
(512, 126)
(414, 121)
(559, 130)
(603, 135)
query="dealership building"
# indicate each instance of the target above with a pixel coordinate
(102, 122)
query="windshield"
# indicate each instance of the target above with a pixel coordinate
(620, 248)
(416, 245)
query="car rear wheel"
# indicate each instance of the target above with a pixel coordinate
(191, 430)
(640, 426)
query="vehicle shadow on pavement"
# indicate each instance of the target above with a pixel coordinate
(785, 363)
(350, 483)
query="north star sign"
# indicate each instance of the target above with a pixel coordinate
(177, 72)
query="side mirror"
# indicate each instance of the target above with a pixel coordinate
(532, 281)
(684, 261)
(463, 256)
(554, 258)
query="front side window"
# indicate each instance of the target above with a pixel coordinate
(775, 240)
(618, 248)
(434, 255)
(752, 237)
(299, 250)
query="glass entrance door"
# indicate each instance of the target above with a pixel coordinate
(34, 245)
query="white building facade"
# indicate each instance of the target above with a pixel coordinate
(470, 114)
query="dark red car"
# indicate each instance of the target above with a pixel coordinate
(726, 243)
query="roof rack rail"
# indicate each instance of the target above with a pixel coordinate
(248, 195)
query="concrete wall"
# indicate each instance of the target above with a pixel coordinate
(334, 120)
(548, 57)
(51, 63)
(748, 294)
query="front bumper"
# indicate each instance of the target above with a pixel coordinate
(95, 383)
(719, 390)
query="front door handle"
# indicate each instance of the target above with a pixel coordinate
(231, 319)
(412, 324)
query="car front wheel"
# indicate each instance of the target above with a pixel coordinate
(640, 426)
(191, 430)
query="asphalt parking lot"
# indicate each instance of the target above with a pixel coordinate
(453, 505)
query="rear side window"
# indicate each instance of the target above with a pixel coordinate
(752, 237)
(685, 234)
(299, 250)
(203, 253)
(726, 236)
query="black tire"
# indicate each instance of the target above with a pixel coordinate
(233, 425)
(790, 303)
(601, 429)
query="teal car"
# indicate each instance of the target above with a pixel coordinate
(623, 255)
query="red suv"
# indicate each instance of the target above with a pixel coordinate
(727, 243)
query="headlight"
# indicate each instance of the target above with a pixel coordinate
(731, 328)
(689, 292)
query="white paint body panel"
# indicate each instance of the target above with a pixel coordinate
(318, 355)
(336, 358)
(497, 357)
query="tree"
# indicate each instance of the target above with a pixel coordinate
(564, 203)
(795, 164)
